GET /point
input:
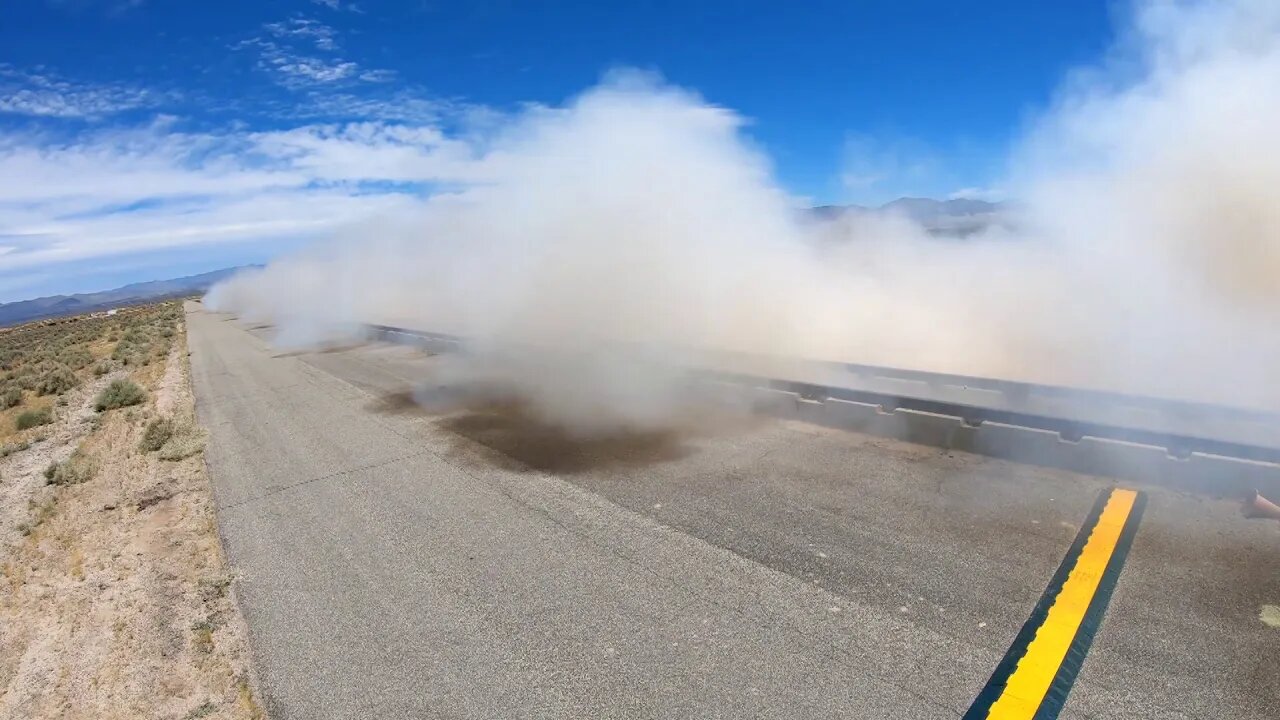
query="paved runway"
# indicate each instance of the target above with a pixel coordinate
(396, 564)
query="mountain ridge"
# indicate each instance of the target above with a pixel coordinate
(52, 306)
(957, 217)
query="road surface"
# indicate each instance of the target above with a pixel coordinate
(396, 564)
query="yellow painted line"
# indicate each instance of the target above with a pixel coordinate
(1029, 683)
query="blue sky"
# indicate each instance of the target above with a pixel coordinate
(145, 139)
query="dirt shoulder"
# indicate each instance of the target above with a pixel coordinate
(115, 597)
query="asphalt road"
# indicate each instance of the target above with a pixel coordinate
(398, 564)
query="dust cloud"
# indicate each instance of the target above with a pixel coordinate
(603, 240)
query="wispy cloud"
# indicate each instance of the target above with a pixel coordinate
(396, 107)
(42, 94)
(301, 53)
(150, 188)
(346, 144)
(339, 5)
(380, 75)
(303, 28)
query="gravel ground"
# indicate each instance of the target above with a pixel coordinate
(115, 598)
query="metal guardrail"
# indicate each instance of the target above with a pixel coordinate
(985, 414)
(1180, 427)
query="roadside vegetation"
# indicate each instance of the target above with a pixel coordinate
(115, 598)
(74, 470)
(41, 362)
(120, 393)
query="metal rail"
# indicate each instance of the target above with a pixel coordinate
(1180, 428)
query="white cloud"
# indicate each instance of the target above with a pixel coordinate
(378, 75)
(282, 53)
(323, 36)
(296, 70)
(316, 70)
(403, 106)
(148, 188)
(47, 95)
(339, 5)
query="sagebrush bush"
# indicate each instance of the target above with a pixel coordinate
(56, 381)
(34, 418)
(101, 369)
(10, 397)
(133, 336)
(74, 470)
(122, 352)
(156, 435)
(76, 358)
(120, 393)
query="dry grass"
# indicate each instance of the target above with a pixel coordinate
(74, 470)
(187, 439)
(115, 597)
(156, 435)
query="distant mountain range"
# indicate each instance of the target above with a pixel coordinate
(15, 313)
(958, 217)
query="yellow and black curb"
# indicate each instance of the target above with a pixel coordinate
(1036, 674)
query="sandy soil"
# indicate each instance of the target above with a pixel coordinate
(115, 598)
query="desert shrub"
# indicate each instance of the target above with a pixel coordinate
(24, 379)
(34, 418)
(132, 348)
(10, 397)
(101, 368)
(121, 351)
(56, 381)
(187, 440)
(156, 435)
(76, 358)
(120, 393)
(11, 448)
(133, 336)
(74, 470)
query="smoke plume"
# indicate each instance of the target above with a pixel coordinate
(604, 240)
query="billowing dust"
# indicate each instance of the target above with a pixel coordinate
(603, 240)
